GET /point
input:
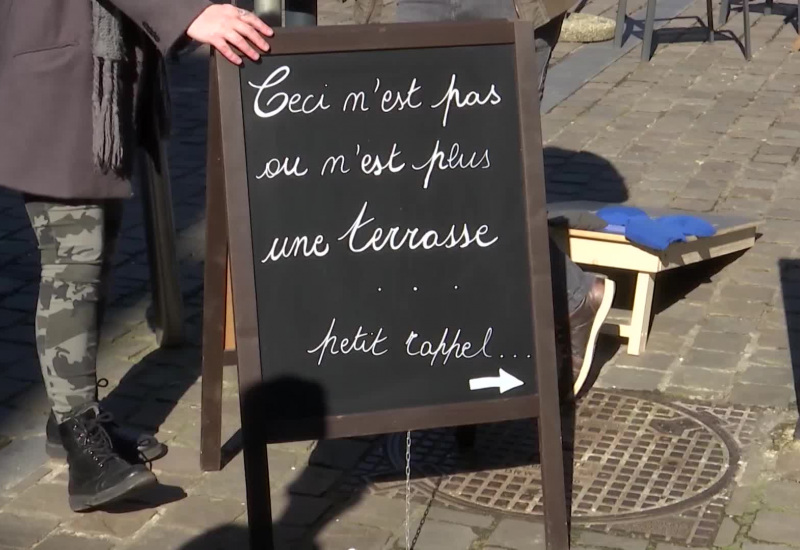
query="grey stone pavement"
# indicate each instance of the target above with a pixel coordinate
(698, 128)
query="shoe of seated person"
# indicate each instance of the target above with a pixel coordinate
(585, 323)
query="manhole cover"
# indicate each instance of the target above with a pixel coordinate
(634, 459)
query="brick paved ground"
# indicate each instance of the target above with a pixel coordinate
(698, 128)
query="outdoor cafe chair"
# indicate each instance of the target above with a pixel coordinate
(647, 38)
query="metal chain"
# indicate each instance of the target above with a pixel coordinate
(408, 490)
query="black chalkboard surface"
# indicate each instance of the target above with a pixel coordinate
(385, 216)
(389, 197)
(388, 224)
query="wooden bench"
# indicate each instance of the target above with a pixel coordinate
(611, 250)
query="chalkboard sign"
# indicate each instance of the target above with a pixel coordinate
(388, 229)
(384, 198)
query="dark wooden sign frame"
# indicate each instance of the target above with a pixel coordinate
(229, 230)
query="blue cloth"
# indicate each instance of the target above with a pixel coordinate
(656, 233)
(620, 215)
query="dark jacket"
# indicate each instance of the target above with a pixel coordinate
(46, 91)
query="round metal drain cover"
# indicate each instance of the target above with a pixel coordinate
(633, 458)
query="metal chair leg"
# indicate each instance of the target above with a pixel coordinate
(622, 18)
(710, 9)
(725, 12)
(768, 7)
(647, 41)
(746, 12)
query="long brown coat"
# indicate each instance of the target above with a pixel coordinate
(46, 91)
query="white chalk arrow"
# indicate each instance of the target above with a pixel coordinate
(504, 382)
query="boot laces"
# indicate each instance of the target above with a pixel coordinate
(98, 442)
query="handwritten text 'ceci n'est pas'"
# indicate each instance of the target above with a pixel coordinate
(271, 101)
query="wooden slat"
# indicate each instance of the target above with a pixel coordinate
(230, 326)
(621, 255)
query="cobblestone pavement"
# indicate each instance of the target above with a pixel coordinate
(697, 128)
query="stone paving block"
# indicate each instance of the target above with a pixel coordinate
(189, 434)
(119, 525)
(44, 498)
(23, 532)
(381, 512)
(227, 483)
(437, 535)
(32, 479)
(200, 512)
(727, 533)
(729, 324)
(782, 496)
(21, 458)
(770, 376)
(613, 376)
(787, 464)
(481, 521)
(771, 357)
(672, 325)
(713, 380)
(719, 341)
(773, 339)
(708, 359)
(735, 307)
(63, 541)
(648, 360)
(310, 480)
(757, 394)
(771, 526)
(162, 537)
(342, 536)
(750, 545)
(179, 460)
(285, 466)
(519, 535)
(603, 540)
(338, 453)
(298, 510)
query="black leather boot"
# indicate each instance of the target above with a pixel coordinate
(97, 474)
(131, 446)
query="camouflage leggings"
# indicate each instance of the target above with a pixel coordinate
(76, 241)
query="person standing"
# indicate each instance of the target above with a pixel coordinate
(71, 74)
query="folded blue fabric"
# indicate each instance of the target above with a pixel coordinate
(652, 233)
(689, 225)
(656, 233)
(620, 215)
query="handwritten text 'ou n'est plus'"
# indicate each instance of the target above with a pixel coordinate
(376, 164)
(451, 345)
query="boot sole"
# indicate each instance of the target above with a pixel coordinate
(57, 452)
(125, 489)
(599, 319)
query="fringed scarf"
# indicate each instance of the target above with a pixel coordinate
(112, 89)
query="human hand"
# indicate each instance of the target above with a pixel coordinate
(224, 25)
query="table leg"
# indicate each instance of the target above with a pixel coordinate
(640, 316)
